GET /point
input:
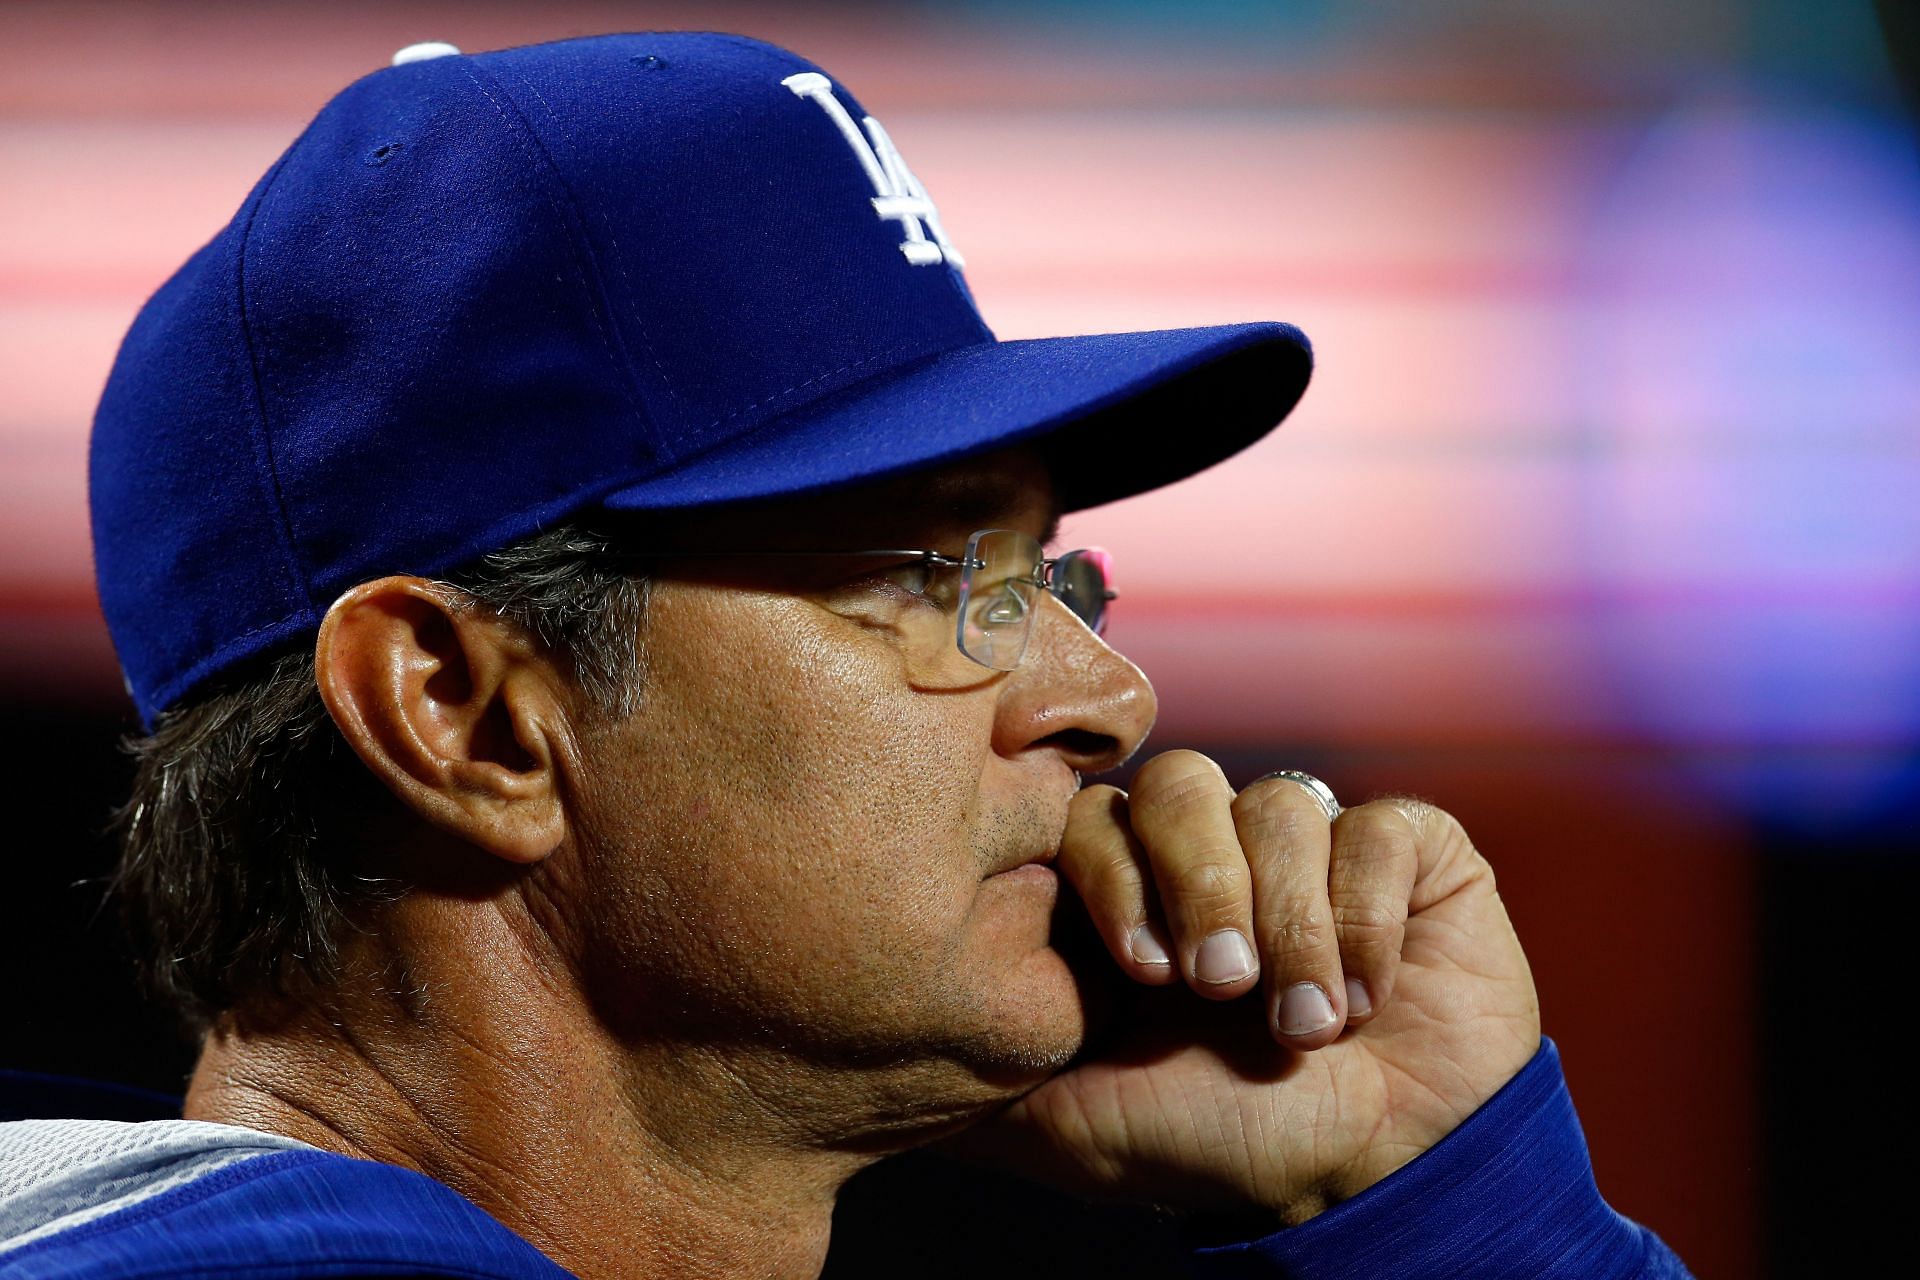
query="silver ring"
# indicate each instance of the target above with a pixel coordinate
(1319, 790)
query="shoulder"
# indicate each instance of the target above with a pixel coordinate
(166, 1199)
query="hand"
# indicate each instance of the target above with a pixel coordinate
(1195, 1096)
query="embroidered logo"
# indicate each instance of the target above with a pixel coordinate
(898, 195)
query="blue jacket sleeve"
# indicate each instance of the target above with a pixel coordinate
(1509, 1194)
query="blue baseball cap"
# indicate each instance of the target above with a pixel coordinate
(480, 295)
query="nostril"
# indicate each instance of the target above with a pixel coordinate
(1085, 750)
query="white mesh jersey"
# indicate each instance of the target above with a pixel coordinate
(58, 1174)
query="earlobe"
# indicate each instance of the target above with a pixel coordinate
(452, 708)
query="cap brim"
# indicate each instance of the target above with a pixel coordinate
(1115, 414)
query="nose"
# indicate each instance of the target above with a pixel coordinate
(1074, 694)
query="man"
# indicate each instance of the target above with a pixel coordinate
(616, 742)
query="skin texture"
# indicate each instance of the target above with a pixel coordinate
(664, 984)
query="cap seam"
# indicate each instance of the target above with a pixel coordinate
(646, 340)
(255, 366)
(538, 153)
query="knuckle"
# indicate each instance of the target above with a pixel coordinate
(1110, 874)
(1404, 826)
(1367, 922)
(1371, 859)
(1307, 931)
(1182, 793)
(1418, 817)
(1174, 778)
(1277, 809)
(1207, 884)
(1432, 823)
(1380, 826)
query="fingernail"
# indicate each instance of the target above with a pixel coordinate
(1225, 956)
(1358, 1006)
(1146, 948)
(1304, 1009)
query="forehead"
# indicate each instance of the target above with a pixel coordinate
(1008, 487)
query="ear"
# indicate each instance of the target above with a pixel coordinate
(455, 710)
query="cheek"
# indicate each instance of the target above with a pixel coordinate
(802, 811)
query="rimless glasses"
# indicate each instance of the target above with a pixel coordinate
(992, 605)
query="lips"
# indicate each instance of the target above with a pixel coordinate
(1040, 859)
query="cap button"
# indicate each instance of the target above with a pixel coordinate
(423, 51)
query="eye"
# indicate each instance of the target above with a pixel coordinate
(916, 582)
(915, 577)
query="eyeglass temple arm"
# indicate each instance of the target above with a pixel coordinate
(931, 557)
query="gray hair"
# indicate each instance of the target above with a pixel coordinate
(235, 875)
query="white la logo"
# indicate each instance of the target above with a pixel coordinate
(898, 194)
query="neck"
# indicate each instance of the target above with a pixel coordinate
(615, 1163)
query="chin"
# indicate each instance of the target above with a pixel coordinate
(1035, 1021)
(1020, 996)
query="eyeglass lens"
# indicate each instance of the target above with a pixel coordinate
(1000, 588)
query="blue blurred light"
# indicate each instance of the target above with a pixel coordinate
(1753, 502)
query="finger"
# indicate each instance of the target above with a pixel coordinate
(1181, 811)
(1289, 845)
(1106, 865)
(1376, 855)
